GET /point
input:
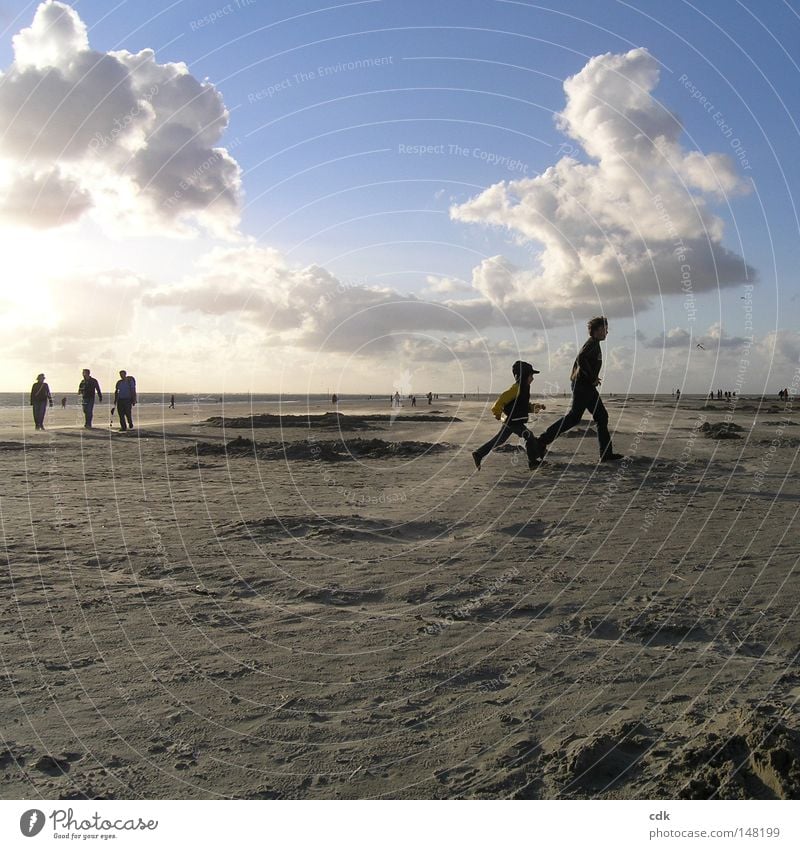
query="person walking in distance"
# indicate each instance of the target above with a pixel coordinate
(40, 398)
(125, 399)
(585, 379)
(87, 389)
(515, 402)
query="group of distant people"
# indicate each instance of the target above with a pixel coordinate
(783, 394)
(514, 405)
(88, 391)
(726, 396)
(396, 401)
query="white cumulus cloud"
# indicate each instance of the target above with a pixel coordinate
(309, 306)
(134, 141)
(632, 225)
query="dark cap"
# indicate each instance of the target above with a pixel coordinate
(522, 369)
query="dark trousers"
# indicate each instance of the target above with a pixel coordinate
(509, 429)
(124, 410)
(39, 409)
(583, 398)
(88, 411)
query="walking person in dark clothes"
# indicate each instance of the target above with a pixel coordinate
(585, 379)
(87, 389)
(515, 402)
(40, 398)
(125, 399)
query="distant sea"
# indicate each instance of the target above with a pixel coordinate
(21, 399)
(17, 399)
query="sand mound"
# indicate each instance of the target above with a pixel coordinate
(760, 759)
(721, 430)
(345, 529)
(598, 762)
(339, 596)
(326, 421)
(785, 441)
(327, 450)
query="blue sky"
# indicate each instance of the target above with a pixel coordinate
(423, 107)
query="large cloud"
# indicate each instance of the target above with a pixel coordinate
(118, 133)
(619, 232)
(310, 307)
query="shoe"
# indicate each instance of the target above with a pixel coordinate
(542, 448)
(611, 458)
(476, 460)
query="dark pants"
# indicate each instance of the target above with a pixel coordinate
(88, 411)
(39, 409)
(124, 410)
(509, 429)
(583, 398)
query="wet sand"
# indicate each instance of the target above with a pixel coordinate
(349, 610)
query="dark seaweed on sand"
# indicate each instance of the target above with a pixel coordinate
(327, 450)
(323, 420)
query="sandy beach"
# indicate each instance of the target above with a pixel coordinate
(343, 607)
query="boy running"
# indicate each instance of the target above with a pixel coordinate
(585, 379)
(515, 402)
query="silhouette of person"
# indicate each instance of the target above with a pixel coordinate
(585, 379)
(87, 389)
(516, 404)
(40, 398)
(125, 399)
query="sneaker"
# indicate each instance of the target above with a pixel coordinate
(611, 458)
(476, 460)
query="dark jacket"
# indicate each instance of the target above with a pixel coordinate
(88, 387)
(588, 363)
(40, 392)
(514, 403)
(517, 409)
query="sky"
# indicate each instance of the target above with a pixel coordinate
(364, 197)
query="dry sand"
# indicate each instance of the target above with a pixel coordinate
(282, 619)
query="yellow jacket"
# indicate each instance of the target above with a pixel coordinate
(509, 395)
